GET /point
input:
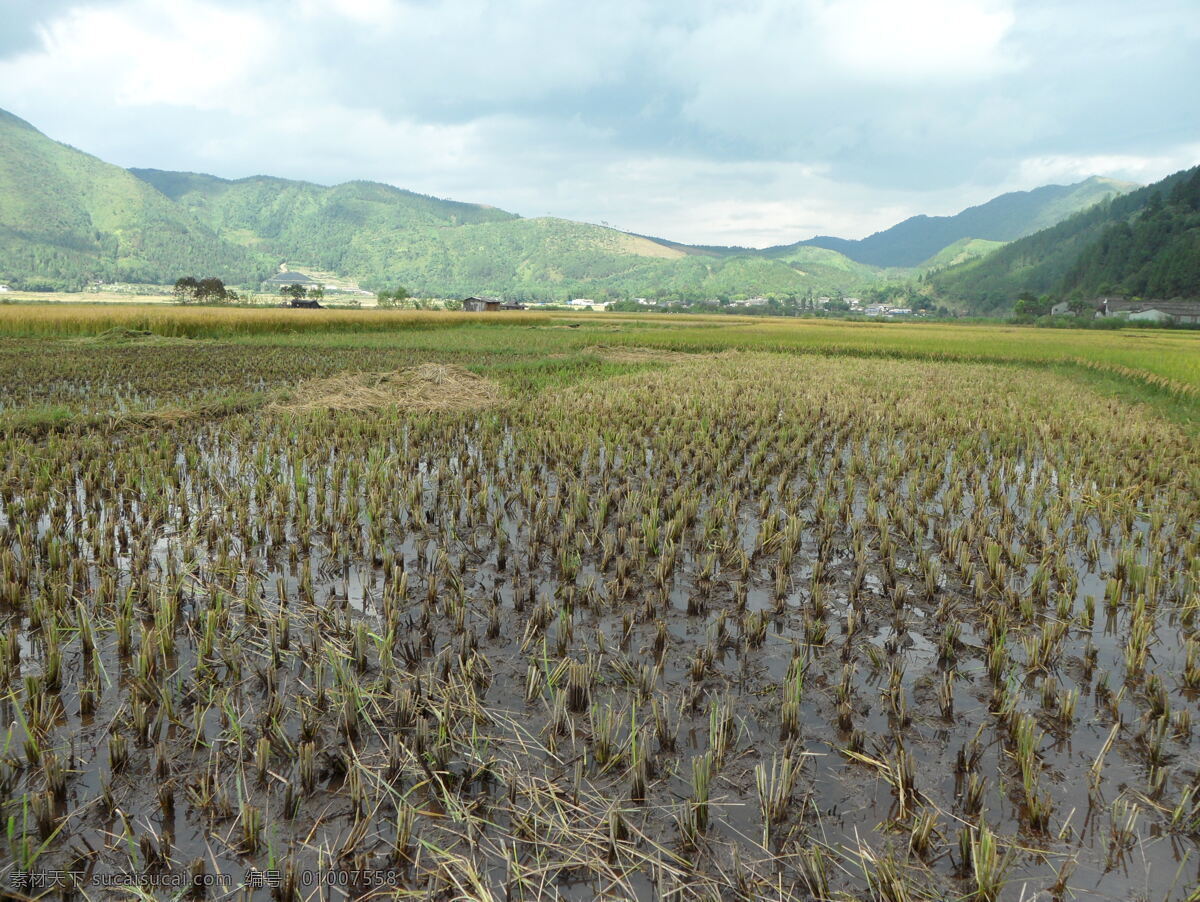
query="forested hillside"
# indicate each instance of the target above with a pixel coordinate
(1155, 255)
(1048, 261)
(67, 218)
(1004, 218)
(384, 236)
(335, 228)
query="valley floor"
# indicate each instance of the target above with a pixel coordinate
(572, 606)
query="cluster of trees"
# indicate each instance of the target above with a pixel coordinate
(190, 290)
(298, 292)
(392, 297)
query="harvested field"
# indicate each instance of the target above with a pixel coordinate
(748, 626)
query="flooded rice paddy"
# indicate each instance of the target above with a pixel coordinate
(745, 627)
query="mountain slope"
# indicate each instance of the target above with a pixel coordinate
(67, 218)
(384, 236)
(1003, 218)
(960, 252)
(1156, 254)
(1046, 261)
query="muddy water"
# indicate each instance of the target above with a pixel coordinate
(483, 761)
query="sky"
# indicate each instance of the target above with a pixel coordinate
(750, 122)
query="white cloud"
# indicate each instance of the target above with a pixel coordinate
(744, 121)
(185, 52)
(888, 40)
(1041, 170)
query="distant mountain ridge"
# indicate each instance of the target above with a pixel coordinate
(1004, 218)
(1144, 242)
(384, 235)
(67, 219)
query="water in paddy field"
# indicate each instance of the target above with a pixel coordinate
(457, 657)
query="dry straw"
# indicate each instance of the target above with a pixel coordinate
(430, 386)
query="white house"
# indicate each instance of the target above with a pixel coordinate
(4, 288)
(1150, 311)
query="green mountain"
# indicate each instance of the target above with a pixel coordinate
(67, 218)
(1155, 254)
(960, 252)
(383, 236)
(1004, 218)
(1107, 247)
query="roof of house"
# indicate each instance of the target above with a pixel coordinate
(478, 298)
(1173, 308)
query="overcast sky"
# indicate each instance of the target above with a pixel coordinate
(754, 122)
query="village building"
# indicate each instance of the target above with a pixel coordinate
(1066, 308)
(1149, 311)
(475, 304)
(588, 304)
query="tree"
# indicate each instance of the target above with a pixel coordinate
(295, 291)
(1028, 304)
(211, 289)
(392, 297)
(317, 293)
(185, 289)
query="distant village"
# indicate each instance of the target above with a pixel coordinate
(850, 305)
(1160, 312)
(306, 291)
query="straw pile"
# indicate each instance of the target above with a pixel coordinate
(638, 354)
(430, 386)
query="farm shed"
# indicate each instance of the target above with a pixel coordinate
(480, 305)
